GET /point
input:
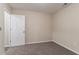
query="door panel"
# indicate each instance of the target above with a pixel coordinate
(17, 30)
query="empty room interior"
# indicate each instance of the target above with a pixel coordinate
(39, 28)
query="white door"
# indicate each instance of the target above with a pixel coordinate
(17, 30)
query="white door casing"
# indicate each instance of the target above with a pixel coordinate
(7, 29)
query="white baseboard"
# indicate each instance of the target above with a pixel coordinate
(13, 45)
(38, 42)
(65, 47)
(7, 46)
(31, 43)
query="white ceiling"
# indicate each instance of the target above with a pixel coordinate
(41, 7)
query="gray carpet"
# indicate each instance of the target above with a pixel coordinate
(48, 48)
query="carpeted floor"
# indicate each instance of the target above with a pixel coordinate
(48, 48)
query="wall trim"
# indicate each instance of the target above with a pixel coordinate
(38, 42)
(65, 47)
(13, 46)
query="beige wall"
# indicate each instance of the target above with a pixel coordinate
(2, 27)
(7, 11)
(3, 7)
(65, 25)
(38, 26)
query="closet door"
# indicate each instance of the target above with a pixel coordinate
(17, 30)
